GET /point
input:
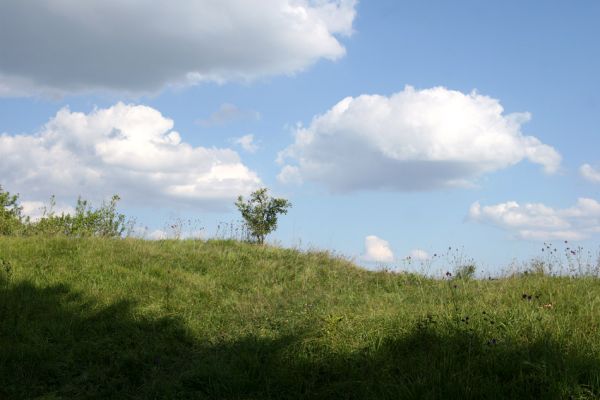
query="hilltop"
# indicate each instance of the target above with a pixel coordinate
(126, 318)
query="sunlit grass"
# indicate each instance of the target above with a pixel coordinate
(102, 318)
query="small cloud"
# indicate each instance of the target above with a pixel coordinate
(157, 234)
(247, 143)
(143, 232)
(589, 173)
(539, 222)
(290, 175)
(377, 250)
(228, 113)
(35, 210)
(419, 255)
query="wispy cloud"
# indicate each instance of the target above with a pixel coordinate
(589, 173)
(247, 143)
(419, 255)
(537, 221)
(228, 113)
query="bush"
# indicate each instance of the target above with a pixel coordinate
(87, 221)
(465, 272)
(260, 213)
(11, 217)
(102, 222)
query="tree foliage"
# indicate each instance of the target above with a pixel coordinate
(260, 213)
(104, 221)
(11, 217)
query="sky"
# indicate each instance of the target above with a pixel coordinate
(395, 128)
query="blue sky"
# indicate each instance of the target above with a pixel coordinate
(465, 123)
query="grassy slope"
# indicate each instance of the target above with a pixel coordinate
(224, 320)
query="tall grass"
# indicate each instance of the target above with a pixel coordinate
(113, 318)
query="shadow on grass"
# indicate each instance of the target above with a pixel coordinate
(55, 343)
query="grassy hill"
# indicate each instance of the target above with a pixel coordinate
(128, 319)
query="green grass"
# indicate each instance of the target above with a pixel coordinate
(129, 319)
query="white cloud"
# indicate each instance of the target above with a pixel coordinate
(290, 175)
(590, 173)
(64, 46)
(377, 250)
(126, 149)
(159, 234)
(419, 255)
(35, 210)
(247, 143)
(228, 112)
(536, 221)
(413, 140)
(156, 234)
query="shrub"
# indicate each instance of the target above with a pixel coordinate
(103, 222)
(465, 272)
(260, 213)
(11, 217)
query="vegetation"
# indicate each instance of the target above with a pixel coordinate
(260, 213)
(466, 271)
(104, 221)
(11, 218)
(88, 313)
(102, 318)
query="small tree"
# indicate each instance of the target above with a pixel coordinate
(11, 217)
(260, 213)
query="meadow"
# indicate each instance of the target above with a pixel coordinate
(100, 318)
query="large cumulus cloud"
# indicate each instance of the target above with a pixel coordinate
(411, 140)
(131, 150)
(58, 46)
